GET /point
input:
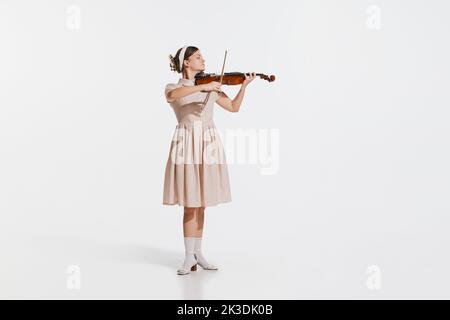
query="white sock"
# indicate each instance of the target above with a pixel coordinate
(189, 258)
(200, 258)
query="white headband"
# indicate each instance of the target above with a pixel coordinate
(181, 57)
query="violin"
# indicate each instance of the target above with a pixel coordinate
(228, 78)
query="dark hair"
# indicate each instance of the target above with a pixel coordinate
(174, 61)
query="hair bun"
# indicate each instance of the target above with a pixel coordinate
(173, 63)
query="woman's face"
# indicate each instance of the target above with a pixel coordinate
(196, 61)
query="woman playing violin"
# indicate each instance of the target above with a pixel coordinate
(191, 180)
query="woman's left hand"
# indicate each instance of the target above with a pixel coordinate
(248, 79)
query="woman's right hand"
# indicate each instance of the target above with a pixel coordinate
(212, 86)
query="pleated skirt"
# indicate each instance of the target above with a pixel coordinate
(196, 172)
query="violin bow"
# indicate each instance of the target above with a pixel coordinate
(223, 67)
(221, 77)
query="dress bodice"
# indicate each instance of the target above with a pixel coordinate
(198, 106)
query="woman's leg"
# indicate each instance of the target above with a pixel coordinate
(189, 232)
(200, 217)
(193, 221)
(190, 222)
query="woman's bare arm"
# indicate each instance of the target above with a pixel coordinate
(231, 105)
(235, 104)
(181, 92)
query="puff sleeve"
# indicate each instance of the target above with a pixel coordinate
(169, 87)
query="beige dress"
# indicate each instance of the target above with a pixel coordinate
(196, 173)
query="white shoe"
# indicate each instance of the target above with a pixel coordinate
(190, 264)
(204, 264)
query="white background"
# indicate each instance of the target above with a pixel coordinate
(360, 195)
